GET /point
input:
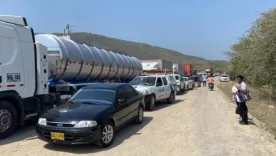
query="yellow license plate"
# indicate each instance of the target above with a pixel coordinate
(57, 136)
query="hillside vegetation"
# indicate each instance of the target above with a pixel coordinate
(145, 51)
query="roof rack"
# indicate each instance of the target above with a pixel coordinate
(157, 72)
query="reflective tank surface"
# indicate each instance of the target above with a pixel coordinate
(128, 66)
(71, 61)
(124, 68)
(132, 67)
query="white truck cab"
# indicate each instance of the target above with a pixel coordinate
(23, 75)
(155, 88)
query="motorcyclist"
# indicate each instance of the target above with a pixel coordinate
(210, 81)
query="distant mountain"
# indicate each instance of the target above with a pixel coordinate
(145, 51)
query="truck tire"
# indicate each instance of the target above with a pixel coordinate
(8, 119)
(152, 103)
(171, 98)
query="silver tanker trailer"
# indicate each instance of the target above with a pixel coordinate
(73, 65)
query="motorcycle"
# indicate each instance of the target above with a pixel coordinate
(211, 86)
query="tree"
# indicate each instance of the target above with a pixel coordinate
(254, 55)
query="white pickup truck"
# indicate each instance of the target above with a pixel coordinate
(155, 88)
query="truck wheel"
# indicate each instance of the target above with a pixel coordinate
(8, 119)
(151, 103)
(171, 98)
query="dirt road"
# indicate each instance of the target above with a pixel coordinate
(201, 122)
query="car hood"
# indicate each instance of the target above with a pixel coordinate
(141, 88)
(69, 112)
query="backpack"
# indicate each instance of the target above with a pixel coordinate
(244, 97)
(247, 95)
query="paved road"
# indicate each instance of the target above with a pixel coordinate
(200, 123)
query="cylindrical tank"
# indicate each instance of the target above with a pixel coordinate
(120, 64)
(71, 61)
(106, 64)
(138, 67)
(97, 62)
(124, 65)
(132, 66)
(113, 65)
(116, 65)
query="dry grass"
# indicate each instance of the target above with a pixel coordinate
(262, 109)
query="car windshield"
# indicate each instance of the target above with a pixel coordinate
(224, 75)
(171, 78)
(94, 96)
(145, 81)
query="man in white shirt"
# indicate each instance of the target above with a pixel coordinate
(242, 108)
(204, 79)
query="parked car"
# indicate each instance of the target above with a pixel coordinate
(189, 83)
(224, 78)
(92, 115)
(172, 81)
(179, 83)
(155, 88)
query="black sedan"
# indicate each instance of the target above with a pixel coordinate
(92, 115)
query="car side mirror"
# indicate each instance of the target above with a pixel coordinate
(122, 101)
(67, 98)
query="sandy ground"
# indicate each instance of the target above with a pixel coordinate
(199, 123)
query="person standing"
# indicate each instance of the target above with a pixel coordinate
(240, 99)
(204, 79)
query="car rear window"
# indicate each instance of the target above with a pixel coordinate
(171, 78)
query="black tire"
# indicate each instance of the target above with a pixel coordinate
(171, 98)
(140, 115)
(101, 143)
(7, 111)
(151, 103)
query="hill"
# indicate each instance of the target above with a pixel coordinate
(145, 51)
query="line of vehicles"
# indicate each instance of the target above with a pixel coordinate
(81, 93)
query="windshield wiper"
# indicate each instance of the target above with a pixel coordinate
(89, 102)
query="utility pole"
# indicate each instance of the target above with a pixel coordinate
(67, 30)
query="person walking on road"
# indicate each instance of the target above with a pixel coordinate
(241, 100)
(204, 79)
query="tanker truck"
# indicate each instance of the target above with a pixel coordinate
(37, 70)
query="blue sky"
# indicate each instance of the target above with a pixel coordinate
(204, 28)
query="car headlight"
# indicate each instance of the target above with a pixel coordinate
(145, 92)
(82, 124)
(42, 121)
